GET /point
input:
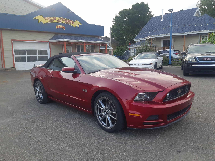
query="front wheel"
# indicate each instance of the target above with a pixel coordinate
(40, 93)
(185, 73)
(109, 113)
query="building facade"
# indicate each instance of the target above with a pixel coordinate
(18, 7)
(188, 27)
(31, 39)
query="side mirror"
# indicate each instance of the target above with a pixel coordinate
(69, 70)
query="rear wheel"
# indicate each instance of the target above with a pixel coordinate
(155, 66)
(161, 67)
(40, 93)
(109, 113)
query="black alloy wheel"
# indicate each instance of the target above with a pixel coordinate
(155, 66)
(40, 93)
(109, 113)
(185, 73)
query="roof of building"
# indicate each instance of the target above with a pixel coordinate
(56, 18)
(70, 38)
(183, 22)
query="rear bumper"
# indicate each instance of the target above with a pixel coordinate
(141, 115)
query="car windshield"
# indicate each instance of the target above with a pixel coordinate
(201, 49)
(146, 56)
(94, 63)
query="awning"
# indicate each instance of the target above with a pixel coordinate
(68, 38)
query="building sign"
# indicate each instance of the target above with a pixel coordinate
(57, 20)
(60, 27)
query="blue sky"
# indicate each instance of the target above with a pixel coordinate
(102, 12)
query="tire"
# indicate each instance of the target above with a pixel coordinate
(185, 73)
(161, 67)
(109, 113)
(40, 93)
(155, 66)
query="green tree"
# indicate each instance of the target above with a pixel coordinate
(119, 51)
(211, 39)
(207, 7)
(145, 48)
(128, 23)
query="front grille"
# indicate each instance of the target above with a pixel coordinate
(177, 92)
(177, 114)
(206, 59)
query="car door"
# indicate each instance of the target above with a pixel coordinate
(54, 78)
(159, 59)
(71, 85)
(67, 86)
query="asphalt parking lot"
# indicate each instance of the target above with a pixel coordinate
(31, 131)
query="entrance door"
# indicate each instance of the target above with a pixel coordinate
(26, 54)
(68, 49)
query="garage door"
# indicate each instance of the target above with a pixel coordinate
(26, 54)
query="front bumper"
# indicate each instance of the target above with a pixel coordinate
(200, 68)
(143, 66)
(141, 114)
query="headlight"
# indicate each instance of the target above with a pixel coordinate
(191, 59)
(147, 96)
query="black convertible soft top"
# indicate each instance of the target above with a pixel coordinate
(63, 55)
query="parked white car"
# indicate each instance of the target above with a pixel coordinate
(147, 60)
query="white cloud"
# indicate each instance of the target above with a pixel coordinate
(102, 12)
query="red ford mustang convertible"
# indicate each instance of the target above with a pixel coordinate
(118, 95)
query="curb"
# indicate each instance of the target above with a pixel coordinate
(172, 66)
(7, 69)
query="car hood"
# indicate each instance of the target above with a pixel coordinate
(141, 79)
(142, 61)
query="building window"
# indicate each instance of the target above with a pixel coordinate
(204, 38)
(90, 48)
(80, 48)
(30, 55)
(166, 43)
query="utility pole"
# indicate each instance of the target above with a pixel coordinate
(170, 47)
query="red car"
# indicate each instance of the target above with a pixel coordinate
(118, 95)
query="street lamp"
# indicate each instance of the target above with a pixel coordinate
(170, 47)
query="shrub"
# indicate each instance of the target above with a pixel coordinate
(165, 61)
(119, 51)
(175, 62)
